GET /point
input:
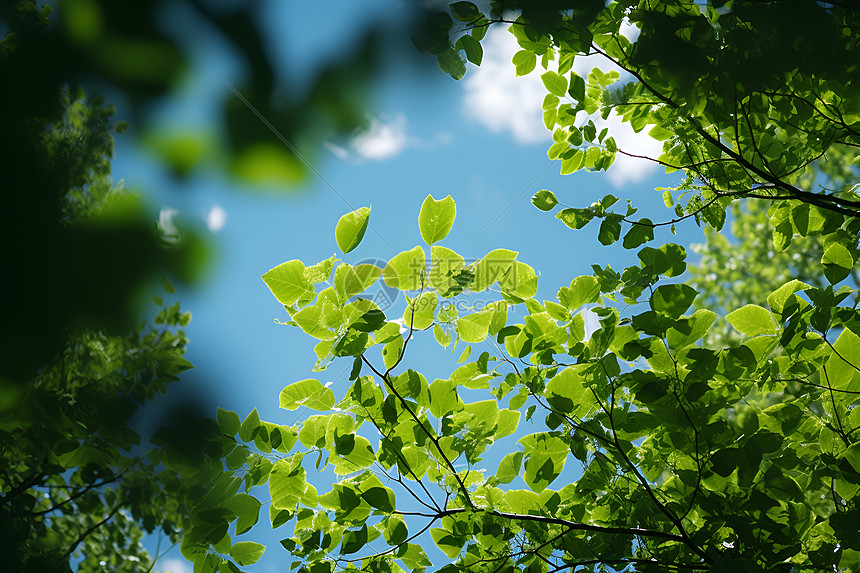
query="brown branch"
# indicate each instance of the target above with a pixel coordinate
(842, 206)
(399, 545)
(631, 561)
(835, 409)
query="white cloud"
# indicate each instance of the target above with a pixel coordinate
(216, 218)
(499, 100)
(626, 169)
(173, 565)
(383, 139)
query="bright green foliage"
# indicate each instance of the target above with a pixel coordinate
(544, 200)
(436, 218)
(350, 229)
(287, 282)
(309, 393)
(652, 447)
(650, 450)
(690, 456)
(728, 87)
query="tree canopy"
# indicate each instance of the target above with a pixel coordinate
(79, 483)
(691, 415)
(694, 451)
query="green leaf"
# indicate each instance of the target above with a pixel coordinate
(509, 467)
(555, 84)
(583, 290)
(640, 233)
(752, 320)
(687, 331)
(247, 510)
(444, 398)
(391, 352)
(610, 229)
(309, 393)
(321, 271)
(509, 420)
(442, 336)
(316, 320)
(544, 200)
(545, 456)
(672, 300)
(354, 540)
(519, 283)
(473, 328)
(350, 229)
(575, 218)
(287, 282)
(395, 531)
(381, 498)
(352, 280)
(465, 11)
(837, 261)
(446, 271)
(448, 543)
(419, 314)
(667, 260)
(493, 266)
(777, 299)
(436, 217)
(572, 161)
(359, 455)
(287, 483)
(249, 426)
(228, 421)
(414, 557)
(472, 48)
(451, 63)
(565, 392)
(524, 61)
(405, 271)
(844, 362)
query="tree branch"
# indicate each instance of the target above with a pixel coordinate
(90, 529)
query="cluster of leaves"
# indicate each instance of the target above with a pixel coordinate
(61, 215)
(691, 457)
(742, 455)
(75, 477)
(96, 44)
(77, 486)
(746, 268)
(730, 88)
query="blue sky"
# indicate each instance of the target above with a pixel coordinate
(480, 140)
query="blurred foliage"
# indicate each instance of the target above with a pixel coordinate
(77, 484)
(741, 456)
(55, 152)
(70, 460)
(75, 249)
(738, 270)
